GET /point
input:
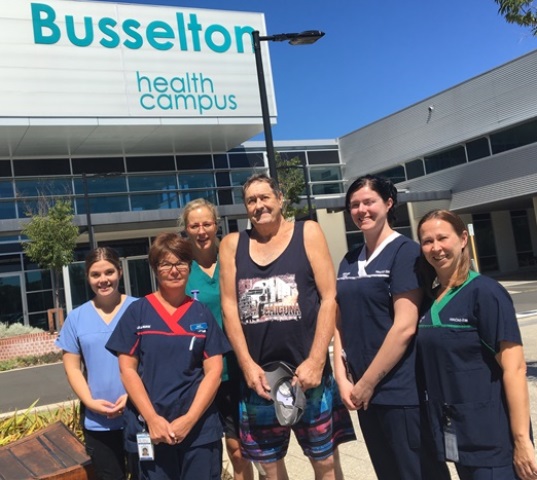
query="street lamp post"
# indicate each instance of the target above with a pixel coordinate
(91, 234)
(303, 38)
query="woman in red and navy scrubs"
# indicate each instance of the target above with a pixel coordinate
(170, 358)
(471, 357)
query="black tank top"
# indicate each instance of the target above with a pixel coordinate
(278, 302)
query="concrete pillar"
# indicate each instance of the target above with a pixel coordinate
(333, 226)
(416, 210)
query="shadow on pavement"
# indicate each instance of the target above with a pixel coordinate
(532, 370)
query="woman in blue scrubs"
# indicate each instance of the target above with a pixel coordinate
(379, 296)
(199, 222)
(471, 357)
(92, 371)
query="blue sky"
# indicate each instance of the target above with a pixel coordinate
(376, 58)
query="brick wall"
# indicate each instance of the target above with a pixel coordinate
(27, 345)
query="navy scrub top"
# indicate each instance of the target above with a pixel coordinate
(170, 349)
(365, 290)
(458, 339)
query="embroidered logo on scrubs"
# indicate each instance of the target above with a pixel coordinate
(198, 327)
(458, 320)
(143, 327)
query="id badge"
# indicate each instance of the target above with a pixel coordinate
(450, 443)
(145, 447)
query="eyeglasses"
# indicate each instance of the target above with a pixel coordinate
(196, 226)
(167, 267)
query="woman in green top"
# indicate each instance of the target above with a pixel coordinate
(199, 222)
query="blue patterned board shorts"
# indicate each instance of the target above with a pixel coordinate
(326, 423)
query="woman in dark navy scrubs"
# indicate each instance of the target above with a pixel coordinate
(379, 297)
(470, 353)
(170, 351)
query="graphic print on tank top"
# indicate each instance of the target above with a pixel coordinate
(273, 299)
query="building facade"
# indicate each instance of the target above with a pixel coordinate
(132, 111)
(471, 149)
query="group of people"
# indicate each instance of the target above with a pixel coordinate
(426, 350)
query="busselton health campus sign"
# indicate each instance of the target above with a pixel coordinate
(65, 58)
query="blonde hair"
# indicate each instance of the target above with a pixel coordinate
(193, 205)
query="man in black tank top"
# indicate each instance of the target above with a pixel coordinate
(278, 293)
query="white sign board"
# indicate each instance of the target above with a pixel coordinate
(65, 58)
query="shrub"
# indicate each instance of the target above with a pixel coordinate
(21, 424)
(21, 362)
(14, 329)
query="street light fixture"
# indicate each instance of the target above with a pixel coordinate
(303, 38)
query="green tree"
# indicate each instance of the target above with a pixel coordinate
(51, 238)
(521, 12)
(292, 184)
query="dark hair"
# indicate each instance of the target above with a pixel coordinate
(102, 253)
(383, 186)
(427, 271)
(264, 178)
(165, 243)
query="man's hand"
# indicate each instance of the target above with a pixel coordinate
(309, 374)
(256, 380)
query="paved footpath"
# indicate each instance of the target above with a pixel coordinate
(354, 457)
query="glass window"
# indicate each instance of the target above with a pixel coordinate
(323, 156)
(10, 263)
(220, 161)
(6, 189)
(239, 178)
(80, 290)
(522, 234)
(39, 320)
(324, 174)
(151, 164)
(485, 242)
(207, 194)
(38, 280)
(8, 210)
(152, 182)
(478, 149)
(395, 174)
(244, 160)
(39, 301)
(514, 137)
(5, 168)
(155, 201)
(449, 158)
(46, 187)
(286, 156)
(326, 188)
(196, 180)
(414, 169)
(104, 204)
(98, 165)
(225, 197)
(35, 168)
(194, 162)
(222, 179)
(98, 184)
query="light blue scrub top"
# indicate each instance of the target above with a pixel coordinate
(85, 333)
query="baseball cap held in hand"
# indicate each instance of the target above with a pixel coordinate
(289, 401)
